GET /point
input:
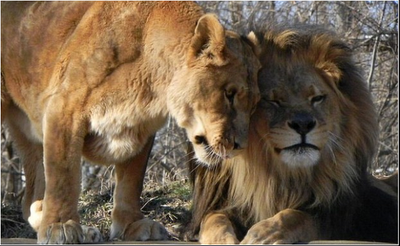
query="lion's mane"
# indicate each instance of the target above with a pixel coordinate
(337, 191)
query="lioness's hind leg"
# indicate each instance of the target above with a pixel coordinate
(30, 152)
(35, 186)
(128, 223)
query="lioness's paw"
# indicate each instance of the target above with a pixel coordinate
(36, 212)
(145, 229)
(61, 233)
(142, 230)
(91, 235)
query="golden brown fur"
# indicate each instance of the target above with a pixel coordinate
(98, 79)
(304, 174)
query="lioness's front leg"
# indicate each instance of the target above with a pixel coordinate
(62, 143)
(216, 228)
(128, 223)
(287, 226)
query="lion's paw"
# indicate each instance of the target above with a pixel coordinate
(141, 230)
(264, 232)
(61, 233)
(225, 238)
(287, 226)
(216, 228)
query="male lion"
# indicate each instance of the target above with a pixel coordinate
(98, 79)
(304, 175)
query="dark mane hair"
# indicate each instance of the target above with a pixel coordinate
(339, 193)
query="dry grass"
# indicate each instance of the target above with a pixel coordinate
(13, 225)
(167, 204)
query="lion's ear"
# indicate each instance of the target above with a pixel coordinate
(332, 70)
(208, 41)
(331, 56)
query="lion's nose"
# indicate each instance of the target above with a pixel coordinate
(236, 146)
(302, 123)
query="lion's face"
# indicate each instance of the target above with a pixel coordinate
(301, 111)
(213, 96)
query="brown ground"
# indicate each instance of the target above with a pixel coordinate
(167, 204)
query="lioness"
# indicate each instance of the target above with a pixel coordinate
(304, 174)
(98, 79)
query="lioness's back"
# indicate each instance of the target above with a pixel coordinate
(23, 34)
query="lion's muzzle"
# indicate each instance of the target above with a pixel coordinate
(302, 123)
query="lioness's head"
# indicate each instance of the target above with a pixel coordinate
(315, 104)
(213, 95)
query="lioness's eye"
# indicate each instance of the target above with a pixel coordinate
(230, 95)
(317, 99)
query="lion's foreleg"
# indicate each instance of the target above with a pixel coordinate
(128, 223)
(216, 228)
(287, 226)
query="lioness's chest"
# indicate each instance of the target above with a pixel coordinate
(117, 134)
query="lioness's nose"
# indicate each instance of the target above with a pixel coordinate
(199, 139)
(233, 144)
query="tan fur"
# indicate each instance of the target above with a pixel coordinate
(216, 227)
(98, 79)
(287, 226)
(277, 192)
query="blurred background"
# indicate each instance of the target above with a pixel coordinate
(369, 27)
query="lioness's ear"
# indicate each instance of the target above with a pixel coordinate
(255, 44)
(208, 41)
